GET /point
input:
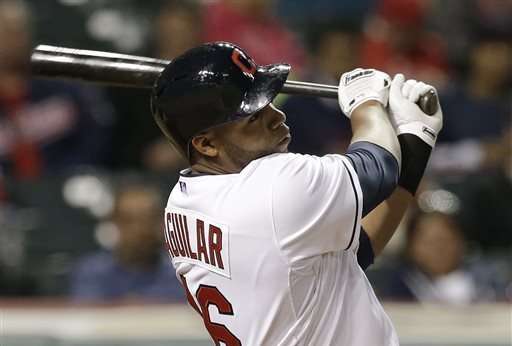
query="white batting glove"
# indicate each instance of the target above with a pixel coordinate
(361, 85)
(406, 116)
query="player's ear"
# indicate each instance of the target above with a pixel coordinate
(204, 145)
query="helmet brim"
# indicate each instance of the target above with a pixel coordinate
(268, 82)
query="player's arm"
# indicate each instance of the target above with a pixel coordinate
(374, 150)
(380, 224)
(417, 134)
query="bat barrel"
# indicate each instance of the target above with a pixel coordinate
(95, 67)
(54, 50)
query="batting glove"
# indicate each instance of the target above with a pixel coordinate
(362, 85)
(407, 116)
(416, 131)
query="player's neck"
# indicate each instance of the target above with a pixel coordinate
(211, 168)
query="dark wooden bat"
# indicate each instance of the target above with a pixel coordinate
(113, 69)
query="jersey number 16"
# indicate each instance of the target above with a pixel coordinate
(210, 295)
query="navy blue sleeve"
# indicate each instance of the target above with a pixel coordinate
(365, 253)
(377, 170)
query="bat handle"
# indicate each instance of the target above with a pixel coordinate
(428, 103)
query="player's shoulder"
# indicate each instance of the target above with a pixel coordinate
(271, 165)
(293, 163)
(273, 160)
(297, 172)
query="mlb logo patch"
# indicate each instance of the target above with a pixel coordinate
(183, 187)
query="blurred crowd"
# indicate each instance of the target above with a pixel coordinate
(76, 223)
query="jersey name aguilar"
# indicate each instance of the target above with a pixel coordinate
(198, 240)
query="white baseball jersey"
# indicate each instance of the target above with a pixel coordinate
(268, 256)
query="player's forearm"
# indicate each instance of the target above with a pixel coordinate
(370, 123)
(381, 223)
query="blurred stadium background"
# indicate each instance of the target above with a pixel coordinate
(66, 148)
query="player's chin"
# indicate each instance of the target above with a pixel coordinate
(282, 146)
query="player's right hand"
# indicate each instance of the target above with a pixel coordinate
(407, 116)
(362, 85)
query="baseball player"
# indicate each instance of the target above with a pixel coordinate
(266, 243)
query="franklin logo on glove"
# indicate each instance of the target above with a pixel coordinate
(364, 73)
(429, 132)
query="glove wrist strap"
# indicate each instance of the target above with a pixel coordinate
(420, 130)
(366, 96)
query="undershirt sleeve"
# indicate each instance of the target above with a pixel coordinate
(377, 171)
(365, 254)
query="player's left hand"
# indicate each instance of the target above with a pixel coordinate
(407, 116)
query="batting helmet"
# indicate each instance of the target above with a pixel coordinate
(210, 85)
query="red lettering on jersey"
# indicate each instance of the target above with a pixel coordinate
(183, 233)
(171, 235)
(181, 244)
(209, 295)
(201, 242)
(187, 237)
(168, 248)
(208, 247)
(167, 241)
(215, 240)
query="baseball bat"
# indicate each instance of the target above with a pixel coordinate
(113, 69)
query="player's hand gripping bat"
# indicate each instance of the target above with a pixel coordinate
(141, 72)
